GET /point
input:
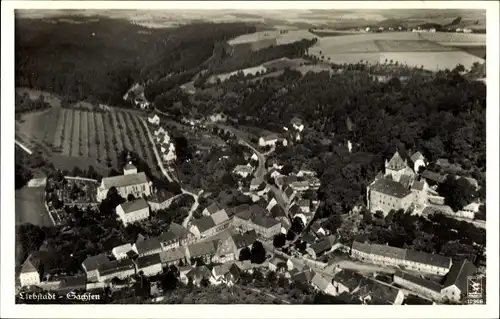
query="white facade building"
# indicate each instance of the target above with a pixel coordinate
(130, 212)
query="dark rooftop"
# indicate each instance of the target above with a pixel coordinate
(93, 262)
(175, 233)
(390, 187)
(432, 176)
(149, 260)
(428, 259)
(201, 249)
(203, 224)
(458, 275)
(265, 221)
(245, 240)
(348, 278)
(429, 284)
(147, 245)
(277, 211)
(116, 266)
(133, 206)
(160, 197)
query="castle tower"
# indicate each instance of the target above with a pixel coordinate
(395, 167)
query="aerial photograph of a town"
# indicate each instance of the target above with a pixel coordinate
(250, 157)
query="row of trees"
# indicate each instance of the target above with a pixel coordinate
(25, 104)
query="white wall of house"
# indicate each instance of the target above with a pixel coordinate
(339, 288)
(151, 270)
(417, 288)
(92, 275)
(163, 205)
(170, 246)
(29, 278)
(451, 293)
(132, 217)
(399, 298)
(121, 275)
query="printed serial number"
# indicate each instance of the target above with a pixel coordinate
(475, 301)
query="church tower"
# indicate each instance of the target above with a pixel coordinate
(129, 167)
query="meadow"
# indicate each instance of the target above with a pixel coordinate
(410, 48)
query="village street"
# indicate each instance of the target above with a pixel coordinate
(261, 169)
(186, 221)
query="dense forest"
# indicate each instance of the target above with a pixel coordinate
(101, 58)
(443, 115)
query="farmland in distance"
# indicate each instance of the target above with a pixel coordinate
(433, 51)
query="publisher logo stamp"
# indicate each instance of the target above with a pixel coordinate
(475, 290)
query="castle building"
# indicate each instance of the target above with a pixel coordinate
(397, 188)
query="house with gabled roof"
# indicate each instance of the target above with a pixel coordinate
(317, 229)
(229, 248)
(91, 264)
(300, 186)
(426, 287)
(147, 246)
(304, 277)
(154, 119)
(160, 200)
(203, 227)
(150, 265)
(175, 236)
(121, 252)
(204, 250)
(117, 268)
(322, 283)
(232, 211)
(346, 281)
(418, 161)
(198, 274)
(376, 293)
(321, 247)
(268, 140)
(288, 193)
(243, 170)
(133, 211)
(408, 259)
(173, 256)
(305, 205)
(72, 284)
(277, 263)
(265, 226)
(455, 284)
(212, 209)
(278, 212)
(31, 270)
(220, 217)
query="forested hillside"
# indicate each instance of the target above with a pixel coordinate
(83, 58)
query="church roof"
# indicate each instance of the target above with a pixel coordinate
(396, 162)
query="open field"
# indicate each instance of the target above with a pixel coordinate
(287, 37)
(82, 138)
(30, 207)
(410, 48)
